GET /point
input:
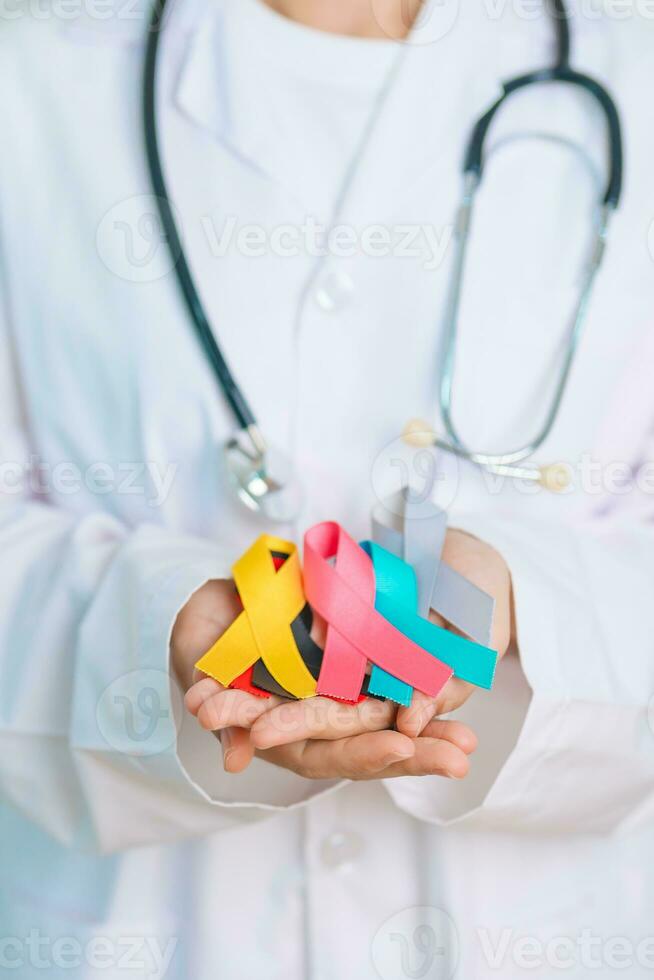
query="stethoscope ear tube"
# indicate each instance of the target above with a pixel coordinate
(474, 154)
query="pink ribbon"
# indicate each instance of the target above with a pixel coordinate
(343, 593)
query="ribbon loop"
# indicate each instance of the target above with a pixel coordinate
(272, 600)
(344, 595)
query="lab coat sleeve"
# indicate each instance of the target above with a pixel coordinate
(94, 745)
(567, 736)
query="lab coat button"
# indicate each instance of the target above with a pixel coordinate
(334, 291)
(341, 848)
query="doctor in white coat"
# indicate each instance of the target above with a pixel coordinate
(126, 848)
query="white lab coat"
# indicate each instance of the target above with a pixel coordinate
(128, 834)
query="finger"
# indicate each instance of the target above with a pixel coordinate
(357, 757)
(432, 757)
(485, 568)
(238, 750)
(227, 708)
(412, 719)
(206, 615)
(200, 692)
(455, 694)
(437, 619)
(452, 731)
(321, 718)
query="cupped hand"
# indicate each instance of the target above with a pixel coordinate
(322, 738)
(319, 738)
(204, 618)
(441, 750)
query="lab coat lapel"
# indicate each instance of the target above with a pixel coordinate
(200, 92)
(220, 93)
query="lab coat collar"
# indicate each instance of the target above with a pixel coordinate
(407, 138)
(217, 92)
(201, 90)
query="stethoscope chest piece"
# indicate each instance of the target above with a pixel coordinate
(262, 478)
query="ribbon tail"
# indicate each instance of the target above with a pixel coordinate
(396, 599)
(288, 668)
(384, 685)
(248, 682)
(344, 664)
(232, 653)
(470, 661)
(343, 670)
(463, 604)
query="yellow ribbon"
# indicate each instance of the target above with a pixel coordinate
(272, 599)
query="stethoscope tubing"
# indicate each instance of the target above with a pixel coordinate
(231, 390)
(473, 168)
(474, 155)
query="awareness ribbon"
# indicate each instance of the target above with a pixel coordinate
(273, 601)
(397, 600)
(414, 529)
(263, 681)
(343, 593)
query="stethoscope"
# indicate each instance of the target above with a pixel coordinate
(260, 476)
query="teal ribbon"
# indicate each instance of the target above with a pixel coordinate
(396, 598)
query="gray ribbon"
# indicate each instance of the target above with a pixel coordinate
(414, 530)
